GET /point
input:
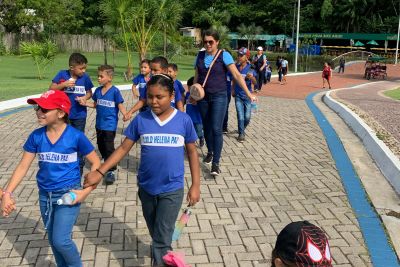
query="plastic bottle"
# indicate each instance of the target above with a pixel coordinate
(67, 199)
(183, 220)
(254, 106)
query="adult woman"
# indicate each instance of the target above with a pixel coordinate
(213, 106)
(260, 62)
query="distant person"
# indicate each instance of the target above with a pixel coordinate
(285, 69)
(301, 244)
(342, 63)
(140, 80)
(173, 72)
(278, 64)
(108, 102)
(326, 75)
(229, 94)
(76, 83)
(260, 61)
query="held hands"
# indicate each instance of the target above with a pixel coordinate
(193, 196)
(92, 178)
(7, 204)
(82, 100)
(127, 116)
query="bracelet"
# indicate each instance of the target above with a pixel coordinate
(102, 174)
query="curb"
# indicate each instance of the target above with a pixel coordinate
(386, 161)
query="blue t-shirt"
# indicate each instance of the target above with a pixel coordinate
(229, 79)
(238, 90)
(161, 167)
(193, 111)
(141, 83)
(227, 58)
(58, 162)
(178, 86)
(82, 85)
(107, 108)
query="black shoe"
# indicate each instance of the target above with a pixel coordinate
(201, 142)
(241, 138)
(207, 159)
(215, 171)
(110, 177)
(225, 130)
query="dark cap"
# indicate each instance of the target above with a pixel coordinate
(304, 244)
(244, 51)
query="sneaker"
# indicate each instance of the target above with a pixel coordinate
(215, 170)
(208, 158)
(241, 138)
(110, 177)
(201, 142)
(225, 130)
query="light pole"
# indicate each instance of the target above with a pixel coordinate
(397, 43)
(297, 37)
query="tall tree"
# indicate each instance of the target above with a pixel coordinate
(169, 20)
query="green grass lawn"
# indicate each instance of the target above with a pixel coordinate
(19, 73)
(395, 93)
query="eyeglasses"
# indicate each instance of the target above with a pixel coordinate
(43, 110)
(210, 42)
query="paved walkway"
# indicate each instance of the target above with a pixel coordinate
(283, 172)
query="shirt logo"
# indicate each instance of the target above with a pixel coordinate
(78, 89)
(57, 157)
(105, 103)
(165, 140)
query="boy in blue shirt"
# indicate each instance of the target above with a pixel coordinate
(173, 72)
(76, 83)
(193, 111)
(242, 102)
(107, 101)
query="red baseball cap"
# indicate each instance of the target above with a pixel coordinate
(52, 99)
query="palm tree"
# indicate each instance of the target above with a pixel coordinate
(116, 12)
(249, 32)
(170, 20)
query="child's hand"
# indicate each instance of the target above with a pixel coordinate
(69, 83)
(92, 179)
(7, 204)
(81, 100)
(81, 195)
(192, 101)
(127, 116)
(193, 195)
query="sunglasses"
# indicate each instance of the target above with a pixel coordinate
(211, 42)
(43, 110)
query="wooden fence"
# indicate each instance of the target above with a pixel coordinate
(65, 42)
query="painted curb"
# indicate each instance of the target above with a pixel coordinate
(386, 161)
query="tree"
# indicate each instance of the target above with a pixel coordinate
(42, 54)
(170, 20)
(249, 32)
(116, 13)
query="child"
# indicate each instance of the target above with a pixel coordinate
(158, 65)
(56, 145)
(107, 101)
(285, 69)
(173, 72)
(139, 82)
(193, 111)
(301, 244)
(326, 75)
(229, 94)
(242, 102)
(163, 133)
(77, 84)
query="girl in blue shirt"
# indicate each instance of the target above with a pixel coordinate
(56, 146)
(163, 133)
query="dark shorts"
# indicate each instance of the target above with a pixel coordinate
(284, 70)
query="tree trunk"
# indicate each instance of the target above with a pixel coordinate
(165, 43)
(105, 43)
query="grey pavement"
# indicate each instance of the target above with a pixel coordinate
(282, 173)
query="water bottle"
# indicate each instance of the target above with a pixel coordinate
(183, 220)
(254, 106)
(67, 199)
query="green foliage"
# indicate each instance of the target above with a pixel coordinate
(42, 54)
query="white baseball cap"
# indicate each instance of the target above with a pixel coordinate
(260, 48)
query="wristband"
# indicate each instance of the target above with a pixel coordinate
(102, 174)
